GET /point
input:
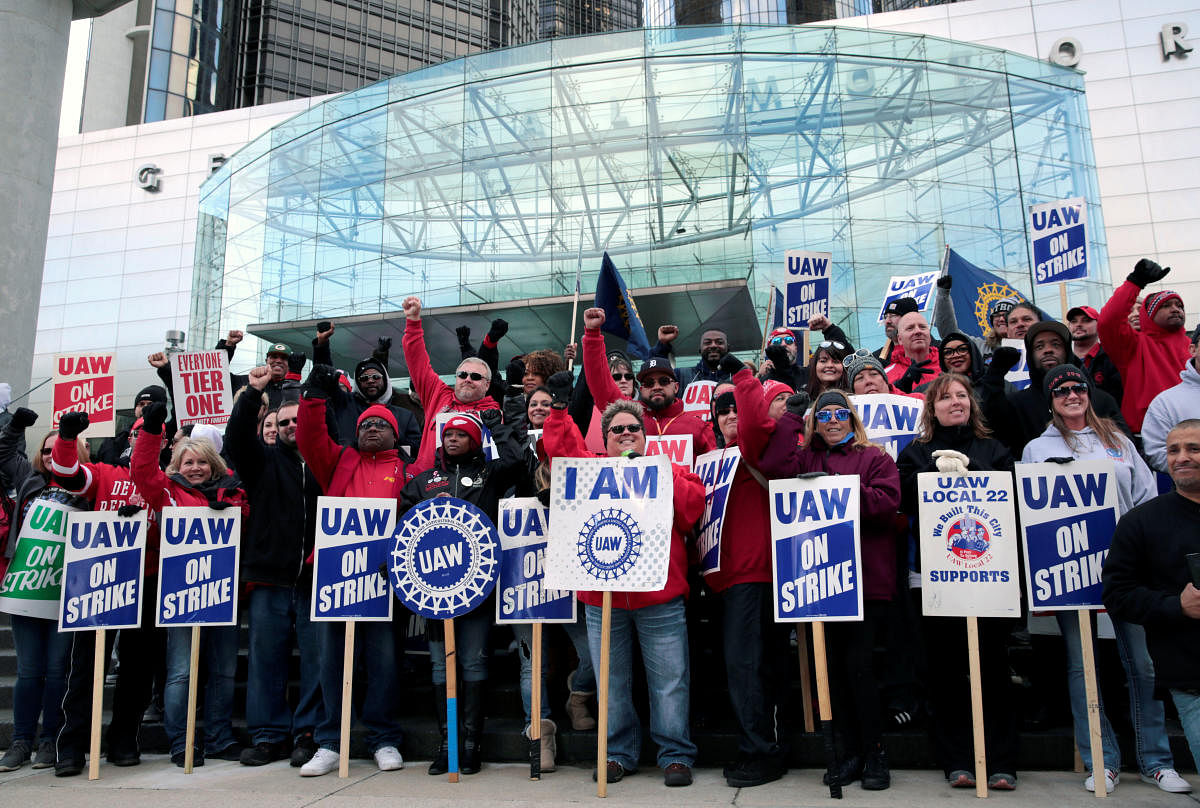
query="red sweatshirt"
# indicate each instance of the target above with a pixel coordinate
(342, 471)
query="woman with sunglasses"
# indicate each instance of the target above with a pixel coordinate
(1076, 432)
(825, 370)
(835, 442)
(955, 438)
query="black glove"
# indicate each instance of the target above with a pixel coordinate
(23, 417)
(778, 356)
(497, 331)
(129, 510)
(515, 372)
(1146, 271)
(383, 571)
(811, 475)
(798, 403)
(560, 385)
(296, 362)
(383, 345)
(1004, 360)
(912, 376)
(945, 282)
(464, 337)
(1060, 460)
(219, 505)
(321, 382)
(154, 415)
(324, 326)
(730, 364)
(71, 424)
(491, 419)
(514, 408)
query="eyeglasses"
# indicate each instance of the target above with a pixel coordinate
(286, 421)
(618, 429)
(1064, 390)
(959, 351)
(825, 416)
(370, 377)
(46, 452)
(657, 381)
(378, 424)
(783, 340)
(475, 377)
(623, 377)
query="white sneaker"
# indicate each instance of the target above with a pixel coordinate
(1168, 780)
(1111, 778)
(323, 762)
(388, 758)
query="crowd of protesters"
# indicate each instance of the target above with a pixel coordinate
(1121, 383)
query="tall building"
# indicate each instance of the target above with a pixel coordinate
(571, 17)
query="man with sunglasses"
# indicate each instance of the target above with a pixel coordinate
(472, 378)
(714, 345)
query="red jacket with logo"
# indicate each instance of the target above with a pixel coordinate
(343, 471)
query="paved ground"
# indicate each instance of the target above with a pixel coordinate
(158, 784)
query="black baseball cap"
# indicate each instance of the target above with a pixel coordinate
(901, 306)
(657, 363)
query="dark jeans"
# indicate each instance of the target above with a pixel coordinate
(375, 650)
(852, 685)
(756, 668)
(275, 611)
(43, 655)
(950, 693)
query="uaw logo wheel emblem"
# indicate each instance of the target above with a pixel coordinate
(968, 540)
(609, 544)
(445, 560)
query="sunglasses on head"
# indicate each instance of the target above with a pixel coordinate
(829, 343)
(825, 416)
(1064, 390)
(618, 429)
(623, 377)
(861, 353)
(783, 340)
(466, 374)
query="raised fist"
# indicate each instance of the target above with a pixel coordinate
(154, 415)
(321, 382)
(258, 377)
(23, 417)
(383, 344)
(730, 364)
(158, 360)
(945, 282)
(233, 337)
(412, 307)
(560, 385)
(667, 334)
(798, 403)
(72, 424)
(498, 330)
(593, 318)
(324, 331)
(818, 322)
(296, 362)
(1146, 271)
(1003, 360)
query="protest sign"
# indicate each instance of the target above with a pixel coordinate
(445, 557)
(1068, 514)
(806, 286)
(32, 585)
(86, 382)
(716, 470)
(353, 540)
(697, 398)
(1058, 241)
(102, 571)
(891, 421)
(815, 559)
(918, 287)
(523, 597)
(200, 385)
(677, 448)
(1018, 377)
(611, 517)
(968, 545)
(198, 567)
(489, 444)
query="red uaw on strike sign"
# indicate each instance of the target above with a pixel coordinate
(85, 382)
(200, 381)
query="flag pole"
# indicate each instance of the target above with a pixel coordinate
(767, 323)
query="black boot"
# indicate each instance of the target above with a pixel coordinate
(441, 760)
(876, 775)
(471, 706)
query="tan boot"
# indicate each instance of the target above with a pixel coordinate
(577, 711)
(549, 745)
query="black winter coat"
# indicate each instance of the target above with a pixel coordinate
(490, 479)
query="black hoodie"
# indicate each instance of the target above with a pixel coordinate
(347, 406)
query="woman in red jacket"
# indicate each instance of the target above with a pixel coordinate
(196, 476)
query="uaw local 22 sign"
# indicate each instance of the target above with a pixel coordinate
(1068, 513)
(523, 595)
(445, 558)
(198, 567)
(968, 545)
(611, 521)
(815, 557)
(102, 578)
(891, 421)
(353, 539)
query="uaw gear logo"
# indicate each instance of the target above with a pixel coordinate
(988, 294)
(609, 544)
(446, 558)
(968, 540)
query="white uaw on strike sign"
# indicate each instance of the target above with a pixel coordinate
(445, 558)
(610, 520)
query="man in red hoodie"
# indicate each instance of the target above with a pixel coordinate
(1150, 359)
(469, 393)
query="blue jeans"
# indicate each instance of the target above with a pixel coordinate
(274, 612)
(662, 635)
(218, 655)
(375, 650)
(470, 645)
(43, 656)
(1187, 702)
(1145, 712)
(584, 680)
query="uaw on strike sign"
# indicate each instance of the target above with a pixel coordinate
(716, 470)
(86, 383)
(198, 567)
(200, 383)
(1058, 240)
(353, 540)
(891, 421)
(612, 523)
(102, 577)
(523, 596)
(806, 285)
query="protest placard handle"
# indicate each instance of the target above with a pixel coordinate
(824, 707)
(762, 352)
(189, 751)
(451, 702)
(347, 701)
(1093, 701)
(804, 357)
(805, 676)
(1062, 301)
(602, 697)
(977, 707)
(99, 658)
(535, 705)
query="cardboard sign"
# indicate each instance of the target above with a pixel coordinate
(918, 287)
(489, 444)
(198, 567)
(102, 576)
(1058, 241)
(200, 385)
(1068, 515)
(677, 448)
(891, 421)
(1018, 377)
(32, 586)
(611, 519)
(968, 545)
(697, 399)
(806, 287)
(86, 383)
(523, 597)
(716, 470)
(354, 540)
(815, 555)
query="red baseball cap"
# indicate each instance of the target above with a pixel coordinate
(1088, 310)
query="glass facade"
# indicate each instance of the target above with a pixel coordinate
(768, 12)
(573, 17)
(688, 154)
(191, 59)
